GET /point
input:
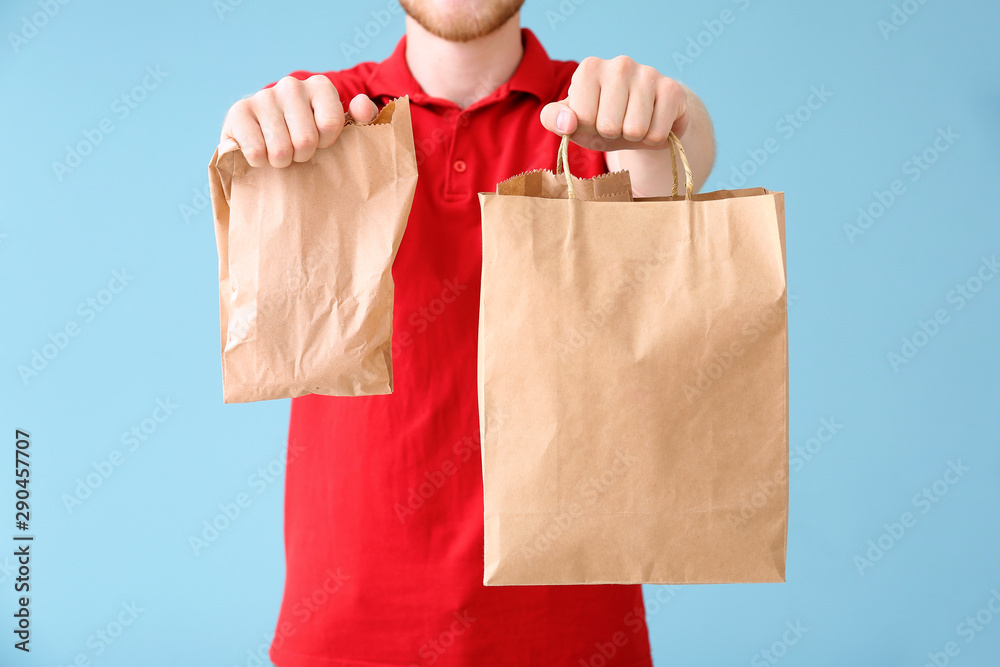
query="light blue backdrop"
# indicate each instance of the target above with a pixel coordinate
(901, 123)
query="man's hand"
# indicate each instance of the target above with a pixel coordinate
(619, 104)
(625, 109)
(290, 120)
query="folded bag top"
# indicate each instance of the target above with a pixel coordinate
(305, 259)
(633, 382)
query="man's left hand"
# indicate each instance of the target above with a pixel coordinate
(619, 104)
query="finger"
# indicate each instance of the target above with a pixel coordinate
(362, 109)
(611, 110)
(296, 110)
(584, 95)
(615, 79)
(244, 129)
(639, 110)
(669, 113)
(327, 109)
(681, 125)
(271, 118)
(228, 145)
(559, 118)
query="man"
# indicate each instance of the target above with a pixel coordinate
(383, 494)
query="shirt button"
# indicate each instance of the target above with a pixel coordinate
(459, 166)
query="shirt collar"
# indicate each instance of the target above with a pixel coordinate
(534, 75)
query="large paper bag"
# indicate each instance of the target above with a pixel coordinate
(633, 383)
(305, 259)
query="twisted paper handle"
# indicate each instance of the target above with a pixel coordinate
(562, 160)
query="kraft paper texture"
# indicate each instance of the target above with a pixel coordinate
(305, 259)
(633, 385)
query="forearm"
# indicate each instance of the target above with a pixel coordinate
(650, 170)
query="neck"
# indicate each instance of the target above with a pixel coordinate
(463, 72)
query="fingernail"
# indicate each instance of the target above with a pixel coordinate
(562, 121)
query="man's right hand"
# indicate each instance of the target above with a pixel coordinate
(290, 120)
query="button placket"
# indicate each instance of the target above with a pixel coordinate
(456, 179)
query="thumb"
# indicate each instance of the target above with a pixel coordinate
(362, 109)
(228, 145)
(559, 118)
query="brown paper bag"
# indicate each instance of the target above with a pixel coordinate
(305, 259)
(633, 383)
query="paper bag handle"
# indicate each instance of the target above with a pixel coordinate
(562, 160)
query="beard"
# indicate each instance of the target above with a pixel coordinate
(464, 21)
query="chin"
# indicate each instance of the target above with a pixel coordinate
(461, 20)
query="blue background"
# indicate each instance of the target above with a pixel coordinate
(121, 208)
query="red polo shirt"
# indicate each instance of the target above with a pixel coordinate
(383, 494)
